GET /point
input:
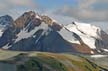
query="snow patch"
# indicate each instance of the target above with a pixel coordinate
(68, 36)
(89, 29)
(25, 34)
(99, 51)
(87, 39)
(37, 16)
(98, 56)
(106, 50)
(1, 33)
(6, 46)
(92, 52)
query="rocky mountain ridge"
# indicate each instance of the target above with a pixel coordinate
(32, 31)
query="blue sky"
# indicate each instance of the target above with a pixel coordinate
(83, 10)
(89, 11)
(55, 3)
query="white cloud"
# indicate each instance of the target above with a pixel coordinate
(85, 4)
(7, 5)
(60, 18)
(86, 11)
(21, 2)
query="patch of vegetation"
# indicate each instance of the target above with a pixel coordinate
(41, 64)
(44, 61)
(86, 65)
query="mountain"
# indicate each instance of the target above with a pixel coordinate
(30, 32)
(91, 35)
(34, 32)
(5, 22)
(44, 61)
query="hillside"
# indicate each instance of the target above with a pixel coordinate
(43, 61)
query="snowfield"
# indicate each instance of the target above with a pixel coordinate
(87, 32)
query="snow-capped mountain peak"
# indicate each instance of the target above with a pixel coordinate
(31, 31)
(87, 32)
(5, 22)
(86, 29)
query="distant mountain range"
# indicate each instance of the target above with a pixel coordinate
(34, 32)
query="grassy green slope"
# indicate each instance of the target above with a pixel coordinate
(42, 61)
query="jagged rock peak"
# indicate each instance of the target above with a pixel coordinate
(6, 20)
(47, 20)
(25, 19)
(6, 16)
(33, 17)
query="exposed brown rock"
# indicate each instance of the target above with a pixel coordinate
(30, 16)
(47, 20)
(22, 20)
(83, 48)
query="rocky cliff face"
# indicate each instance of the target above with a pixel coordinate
(32, 31)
